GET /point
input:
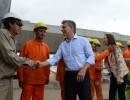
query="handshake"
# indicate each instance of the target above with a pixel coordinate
(39, 64)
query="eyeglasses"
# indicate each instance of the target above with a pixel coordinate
(19, 23)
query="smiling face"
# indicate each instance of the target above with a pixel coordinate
(67, 31)
(105, 40)
(40, 33)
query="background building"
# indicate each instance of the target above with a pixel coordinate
(54, 36)
(4, 8)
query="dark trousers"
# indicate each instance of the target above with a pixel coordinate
(74, 88)
(114, 87)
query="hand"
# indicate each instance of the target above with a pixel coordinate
(21, 84)
(111, 48)
(47, 81)
(36, 65)
(81, 75)
(98, 68)
(43, 64)
(119, 82)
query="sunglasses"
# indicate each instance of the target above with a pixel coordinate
(19, 23)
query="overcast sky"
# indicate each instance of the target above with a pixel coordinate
(102, 15)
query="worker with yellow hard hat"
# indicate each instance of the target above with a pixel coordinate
(120, 44)
(40, 25)
(96, 81)
(96, 42)
(126, 55)
(32, 81)
(90, 40)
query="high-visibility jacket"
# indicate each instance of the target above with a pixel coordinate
(92, 72)
(98, 74)
(60, 70)
(98, 59)
(126, 54)
(39, 52)
(102, 56)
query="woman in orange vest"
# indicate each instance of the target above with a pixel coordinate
(32, 81)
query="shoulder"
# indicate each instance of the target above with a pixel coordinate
(3, 32)
(29, 41)
(82, 39)
(45, 44)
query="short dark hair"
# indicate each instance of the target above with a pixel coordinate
(11, 20)
(71, 23)
(111, 39)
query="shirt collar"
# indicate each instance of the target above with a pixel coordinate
(75, 37)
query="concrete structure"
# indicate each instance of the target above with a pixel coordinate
(54, 36)
(4, 8)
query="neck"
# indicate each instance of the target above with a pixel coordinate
(12, 33)
(71, 36)
(39, 40)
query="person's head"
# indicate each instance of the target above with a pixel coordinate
(91, 42)
(128, 44)
(68, 28)
(96, 44)
(12, 23)
(40, 30)
(108, 40)
(119, 44)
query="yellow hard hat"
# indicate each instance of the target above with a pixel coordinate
(90, 40)
(119, 44)
(96, 41)
(128, 43)
(40, 24)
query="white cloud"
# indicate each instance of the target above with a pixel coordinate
(104, 15)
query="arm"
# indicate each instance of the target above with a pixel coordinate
(8, 54)
(89, 61)
(53, 60)
(102, 55)
(89, 53)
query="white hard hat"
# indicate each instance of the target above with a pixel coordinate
(10, 14)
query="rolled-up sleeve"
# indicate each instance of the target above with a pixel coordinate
(89, 53)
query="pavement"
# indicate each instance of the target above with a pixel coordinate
(52, 90)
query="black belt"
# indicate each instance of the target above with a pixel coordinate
(72, 72)
(7, 77)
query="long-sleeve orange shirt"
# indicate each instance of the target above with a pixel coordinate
(60, 70)
(39, 52)
(98, 59)
(126, 54)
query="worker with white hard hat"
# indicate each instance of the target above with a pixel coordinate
(9, 60)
